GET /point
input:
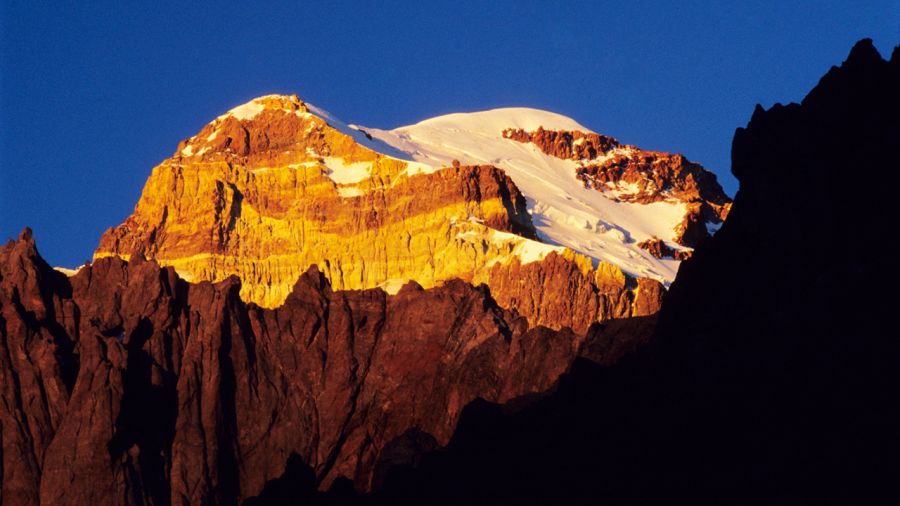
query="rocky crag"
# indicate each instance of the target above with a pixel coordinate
(124, 384)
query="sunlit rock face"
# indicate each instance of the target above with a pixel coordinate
(276, 185)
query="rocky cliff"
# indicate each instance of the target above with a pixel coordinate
(124, 384)
(275, 186)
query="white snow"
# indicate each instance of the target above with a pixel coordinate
(251, 109)
(68, 272)
(247, 111)
(413, 168)
(356, 133)
(564, 212)
(187, 150)
(393, 285)
(346, 173)
(622, 189)
(526, 249)
(349, 191)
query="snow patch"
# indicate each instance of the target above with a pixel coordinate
(247, 111)
(349, 191)
(346, 173)
(356, 133)
(393, 285)
(527, 250)
(621, 190)
(68, 272)
(413, 168)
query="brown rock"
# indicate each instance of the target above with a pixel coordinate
(126, 385)
(559, 292)
(629, 174)
(573, 145)
(658, 248)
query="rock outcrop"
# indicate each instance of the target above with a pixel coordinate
(124, 384)
(626, 173)
(658, 248)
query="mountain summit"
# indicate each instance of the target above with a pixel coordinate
(510, 197)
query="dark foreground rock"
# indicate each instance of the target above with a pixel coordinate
(773, 375)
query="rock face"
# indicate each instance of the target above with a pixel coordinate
(628, 174)
(769, 379)
(275, 186)
(125, 384)
(658, 248)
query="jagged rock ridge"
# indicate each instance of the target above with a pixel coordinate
(124, 384)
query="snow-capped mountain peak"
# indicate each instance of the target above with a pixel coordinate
(639, 210)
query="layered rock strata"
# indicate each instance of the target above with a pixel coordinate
(275, 186)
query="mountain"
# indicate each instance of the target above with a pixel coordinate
(301, 310)
(276, 185)
(290, 287)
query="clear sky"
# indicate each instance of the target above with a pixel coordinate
(93, 94)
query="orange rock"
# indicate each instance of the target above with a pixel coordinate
(271, 188)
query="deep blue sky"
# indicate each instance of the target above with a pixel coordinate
(93, 94)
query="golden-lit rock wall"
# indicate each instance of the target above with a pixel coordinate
(265, 194)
